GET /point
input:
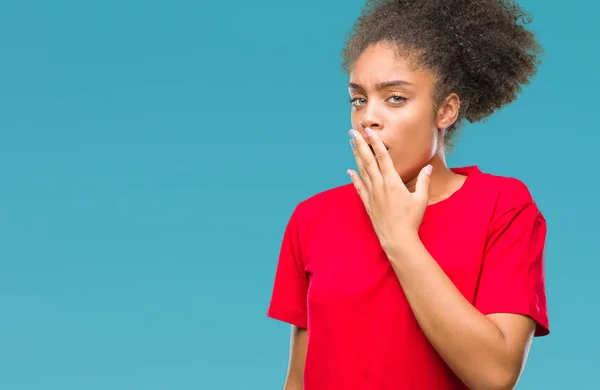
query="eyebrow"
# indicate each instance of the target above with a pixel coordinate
(384, 84)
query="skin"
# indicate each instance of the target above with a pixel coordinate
(403, 116)
(403, 173)
(295, 375)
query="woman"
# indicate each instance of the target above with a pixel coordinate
(418, 276)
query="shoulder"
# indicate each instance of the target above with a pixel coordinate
(505, 193)
(509, 190)
(310, 212)
(310, 208)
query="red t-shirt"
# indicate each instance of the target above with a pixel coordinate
(334, 279)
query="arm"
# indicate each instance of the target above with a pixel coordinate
(485, 352)
(295, 375)
(288, 300)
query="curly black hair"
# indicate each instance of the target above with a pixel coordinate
(479, 49)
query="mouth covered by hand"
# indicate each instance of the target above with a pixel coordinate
(372, 151)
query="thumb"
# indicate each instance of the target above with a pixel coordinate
(422, 187)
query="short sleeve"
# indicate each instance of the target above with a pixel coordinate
(512, 276)
(288, 300)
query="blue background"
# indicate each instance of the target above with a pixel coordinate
(152, 152)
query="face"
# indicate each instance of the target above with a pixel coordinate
(394, 98)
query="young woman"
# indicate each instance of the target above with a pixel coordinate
(418, 276)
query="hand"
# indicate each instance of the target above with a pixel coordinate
(392, 208)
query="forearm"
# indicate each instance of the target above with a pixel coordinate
(294, 382)
(470, 343)
(297, 359)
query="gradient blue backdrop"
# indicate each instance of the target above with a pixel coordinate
(152, 152)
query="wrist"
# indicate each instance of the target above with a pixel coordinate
(403, 246)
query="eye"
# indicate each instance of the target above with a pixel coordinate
(358, 101)
(396, 99)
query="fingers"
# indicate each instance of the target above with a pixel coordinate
(384, 161)
(363, 176)
(365, 161)
(422, 186)
(359, 185)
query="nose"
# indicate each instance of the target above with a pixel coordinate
(371, 120)
(370, 124)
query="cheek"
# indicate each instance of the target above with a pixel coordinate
(412, 128)
(413, 136)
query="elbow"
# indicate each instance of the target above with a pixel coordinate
(499, 380)
(293, 384)
(508, 384)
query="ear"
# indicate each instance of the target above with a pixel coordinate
(447, 112)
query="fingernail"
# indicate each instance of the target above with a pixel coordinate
(353, 144)
(353, 134)
(428, 169)
(349, 172)
(369, 132)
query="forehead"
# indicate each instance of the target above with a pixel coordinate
(381, 62)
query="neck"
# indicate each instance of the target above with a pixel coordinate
(443, 183)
